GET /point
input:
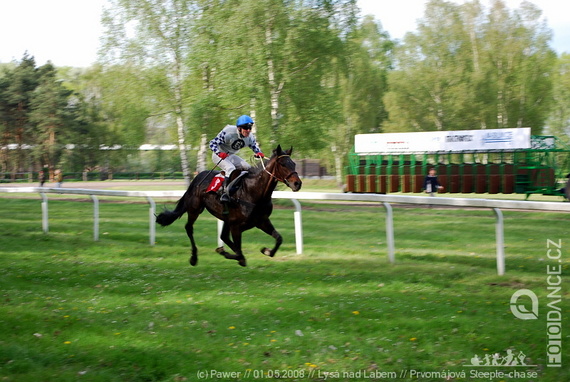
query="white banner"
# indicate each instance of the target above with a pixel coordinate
(460, 140)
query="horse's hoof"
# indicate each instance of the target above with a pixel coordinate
(242, 262)
(221, 250)
(267, 252)
(193, 261)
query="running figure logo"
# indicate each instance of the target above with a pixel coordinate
(510, 359)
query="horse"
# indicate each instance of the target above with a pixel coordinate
(251, 205)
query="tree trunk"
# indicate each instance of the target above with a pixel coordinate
(202, 154)
(253, 115)
(274, 88)
(181, 130)
(337, 164)
(182, 145)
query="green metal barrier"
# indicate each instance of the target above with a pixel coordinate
(541, 169)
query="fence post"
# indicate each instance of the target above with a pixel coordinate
(45, 223)
(390, 232)
(220, 226)
(298, 227)
(500, 239)
(151, 220)
(95, 217)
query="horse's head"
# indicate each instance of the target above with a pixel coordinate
(282, 168)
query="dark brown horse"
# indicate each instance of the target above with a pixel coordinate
(251, 205)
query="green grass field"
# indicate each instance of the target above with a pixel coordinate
(120, 310)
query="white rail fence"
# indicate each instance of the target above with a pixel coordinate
(385, 200)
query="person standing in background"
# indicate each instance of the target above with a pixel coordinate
(58, 177)
(431, 184)
(42, 177)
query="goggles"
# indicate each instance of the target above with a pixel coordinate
(246, 126)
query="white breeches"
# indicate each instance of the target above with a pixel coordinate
(230, 163)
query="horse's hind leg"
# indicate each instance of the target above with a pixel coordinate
(236, 237)
(225, 236)
(234, 245)
(268, 228)
(190, 232)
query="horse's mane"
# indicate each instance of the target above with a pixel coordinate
(256, 169)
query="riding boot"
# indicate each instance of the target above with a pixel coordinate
(225, 190)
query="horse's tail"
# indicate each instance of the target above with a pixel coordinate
(168, 217)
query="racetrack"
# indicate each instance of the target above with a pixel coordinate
(119, 309)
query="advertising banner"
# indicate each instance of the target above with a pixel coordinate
(450, 141)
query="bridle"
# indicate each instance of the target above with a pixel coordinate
(271, 174)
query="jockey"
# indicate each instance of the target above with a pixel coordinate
(227, 144)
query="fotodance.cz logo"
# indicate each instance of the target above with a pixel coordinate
(522, 309)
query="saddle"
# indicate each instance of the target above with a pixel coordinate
(236, 182)
(233, 186)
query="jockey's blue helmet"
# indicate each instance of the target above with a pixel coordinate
(244, 120)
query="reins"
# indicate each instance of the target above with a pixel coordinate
(272, 174)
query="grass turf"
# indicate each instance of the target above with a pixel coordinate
(120, 310)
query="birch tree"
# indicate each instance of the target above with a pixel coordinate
(518, 66)
(559, 120)
(467, 68)
(362, 83)
(155, 34)
(273, 58)
(428, 89)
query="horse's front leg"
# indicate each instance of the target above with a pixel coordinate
(268, 228)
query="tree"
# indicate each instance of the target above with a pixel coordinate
(16, 91)
(121, 95)
(559, 120)
(49, 114)
(518, 65)
(429, 88)
(45, 119)
(362, 83)
(271, 59)
(157, 35)
(465, 69)
(87, 126)
(368, 63)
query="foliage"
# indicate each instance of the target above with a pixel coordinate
(361, 77)
(119, 310)
(160, 45)
(559, 121)
(467, 69)
(16, 88)
(44, 117)
(312, 73)
(50, 115)
(271, 59)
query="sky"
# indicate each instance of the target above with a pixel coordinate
(67, 32)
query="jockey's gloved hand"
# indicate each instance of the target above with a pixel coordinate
(223, 155)
(259, 155)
